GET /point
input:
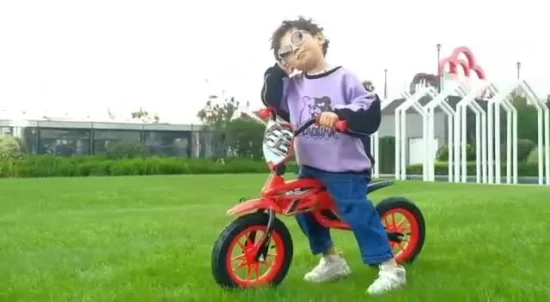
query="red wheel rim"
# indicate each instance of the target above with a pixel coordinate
(244, 258)
(404, 222)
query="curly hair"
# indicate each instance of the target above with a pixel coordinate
(301, 24)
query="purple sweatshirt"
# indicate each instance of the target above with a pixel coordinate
(302, 97)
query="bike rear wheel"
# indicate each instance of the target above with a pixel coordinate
(405, 226)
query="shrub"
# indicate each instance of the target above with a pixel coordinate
(533, 157)
(50, 165)
(525, 147)
(10, 148)
(64, 150)
(386, 157)
(22, 145)
(442, 168)
(122, 149)
(443, 152)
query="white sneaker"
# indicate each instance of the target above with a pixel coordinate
(329, 268)
(389, 278)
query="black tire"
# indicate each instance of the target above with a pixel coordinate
(227, 236)
(392, 203)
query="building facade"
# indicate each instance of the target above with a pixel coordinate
(69, 138)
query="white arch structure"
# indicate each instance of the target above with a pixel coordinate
(375, 139)
(543, 129)
(412, 101)
(460, 138)
(487, 132)
(493, 137)
(429, 122)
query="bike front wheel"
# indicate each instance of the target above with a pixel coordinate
(234, 263)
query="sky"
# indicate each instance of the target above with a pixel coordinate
(80, 58)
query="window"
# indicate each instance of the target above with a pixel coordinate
(6, 130)
(102, 138)
(203, 144)
(64, 142)
(169, 143)
(30, 137)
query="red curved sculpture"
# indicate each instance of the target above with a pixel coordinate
(469, 65)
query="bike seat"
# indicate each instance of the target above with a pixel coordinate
(378, 184)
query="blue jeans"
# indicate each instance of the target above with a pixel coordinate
(349, 191)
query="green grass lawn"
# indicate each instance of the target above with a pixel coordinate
(150, 239)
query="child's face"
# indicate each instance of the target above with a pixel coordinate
(300, 50)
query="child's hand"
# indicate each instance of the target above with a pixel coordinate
(328, 119)
(284, 66)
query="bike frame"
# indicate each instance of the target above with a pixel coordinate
(290, 198)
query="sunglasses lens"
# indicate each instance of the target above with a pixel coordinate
(284, 51)
(297, 38)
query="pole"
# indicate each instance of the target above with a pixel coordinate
(518, 66)
(385, 83)
(438, 47)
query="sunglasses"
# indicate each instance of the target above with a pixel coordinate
(296, 40)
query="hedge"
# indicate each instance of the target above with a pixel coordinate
(386, 158)
(442, 168)
(525, 147)
(56, 166)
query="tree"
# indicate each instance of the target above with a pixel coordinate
(218, 115)
(242, 136)
(246, 137)
(527, 118)
(216, 118)
(426, 79)
(145, 116)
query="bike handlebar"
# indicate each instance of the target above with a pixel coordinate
(340, 126)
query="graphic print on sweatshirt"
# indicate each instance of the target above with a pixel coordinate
(312, 108)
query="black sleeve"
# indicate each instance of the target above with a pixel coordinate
(272, 91)
(362, 122)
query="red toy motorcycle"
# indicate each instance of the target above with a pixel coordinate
(259, 244)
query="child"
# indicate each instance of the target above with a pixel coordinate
(340, 161)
